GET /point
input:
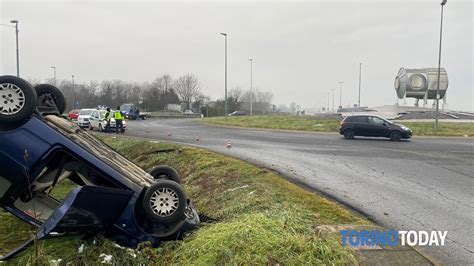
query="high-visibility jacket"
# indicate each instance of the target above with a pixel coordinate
(118, 115)
(107, 115)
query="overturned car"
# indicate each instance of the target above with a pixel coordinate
(113, 197)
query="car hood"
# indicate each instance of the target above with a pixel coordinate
(399, 125)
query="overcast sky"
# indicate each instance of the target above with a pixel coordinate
(300, 49)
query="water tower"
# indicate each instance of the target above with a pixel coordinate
(421, 83)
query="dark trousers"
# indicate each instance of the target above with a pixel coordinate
(118, 123)
(107, 126)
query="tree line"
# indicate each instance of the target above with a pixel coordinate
(184, 92)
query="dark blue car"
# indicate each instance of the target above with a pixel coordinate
(114, 197)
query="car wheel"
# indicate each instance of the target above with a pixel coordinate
(349, 134)
(395, 135)
(165, 172)
(47, 92)
(17, 100)
(164, 201)
(90, 127)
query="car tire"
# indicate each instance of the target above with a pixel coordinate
(90, 127)
(164, 172)
(164, 201)
(395, 135)
(45, 90)
(349, 134)
(18, 101)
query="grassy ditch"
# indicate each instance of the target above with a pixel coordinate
(311, 123)
(263, 217)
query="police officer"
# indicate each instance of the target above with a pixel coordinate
(107, 117)
(118, 120)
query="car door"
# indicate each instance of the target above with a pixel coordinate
(378, 127)
(94, 119)
(360, 125)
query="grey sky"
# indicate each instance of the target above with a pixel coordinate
(300, 49)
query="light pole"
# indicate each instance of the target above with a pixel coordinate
(251, 92)
(17, 49)
(329, 95)
(333, 99)
(340, 94)
(54, 75)
(73, 94)
(225, 95)
(323, 103)
(360, 81)
(439, 65)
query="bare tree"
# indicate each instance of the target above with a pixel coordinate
(234, 99)
(167, 82)
(188, 88)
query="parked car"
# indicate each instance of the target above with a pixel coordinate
(132, 112)
(113, 197)
(238, 113)
(373, 126)
(97, 120)
(73, 114)
(84, 116)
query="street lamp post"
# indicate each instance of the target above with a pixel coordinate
(251, 91)
(340, 94)
(17, 47)
(333, 99)
(360, 81)
(323, 103)
(329, 95)
(54, 75)
(73, 94)
(225, 95)
(439, 66)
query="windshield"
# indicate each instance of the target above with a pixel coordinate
(102, 113)
(86, 112)
(125, 107)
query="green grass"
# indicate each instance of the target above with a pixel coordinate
(264, 219)
(303, 122)
(445, 129)
(311, 123)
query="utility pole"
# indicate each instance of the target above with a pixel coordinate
(54, 75)
(439, 66)
(251, 91)
(73, 94)
(225, 94)
(17, 48)
(340, 94)
(360, 81)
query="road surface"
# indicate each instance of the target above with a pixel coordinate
(422, 184)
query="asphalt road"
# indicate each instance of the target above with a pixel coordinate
(421, 184)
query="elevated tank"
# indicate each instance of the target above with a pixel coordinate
(420, 83)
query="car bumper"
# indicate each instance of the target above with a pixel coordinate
(407, 134)
(83, 123)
